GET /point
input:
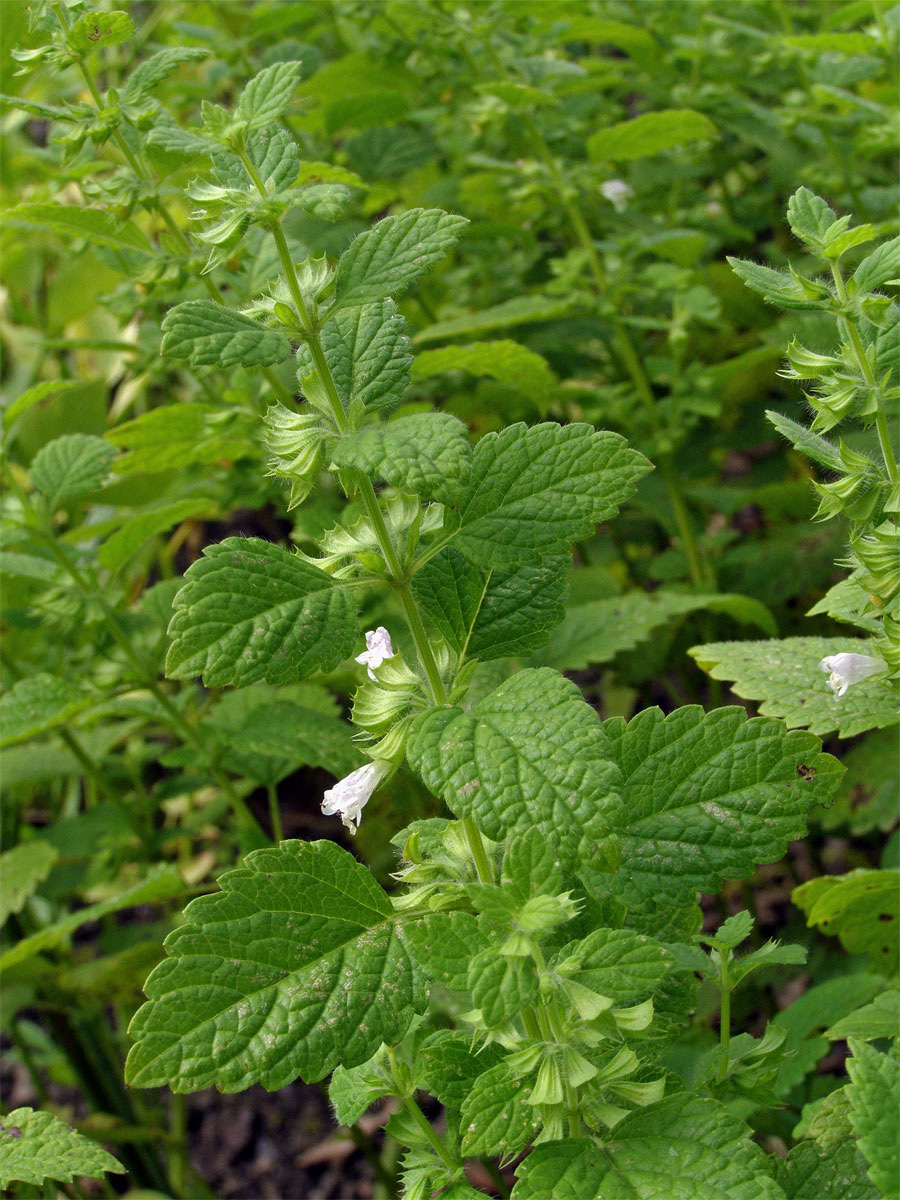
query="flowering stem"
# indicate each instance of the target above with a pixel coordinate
(724, 1013)
(865, 368)
(275, 813)
(366, 490)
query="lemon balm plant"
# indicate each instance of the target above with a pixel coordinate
(537, 960)
(538, 953)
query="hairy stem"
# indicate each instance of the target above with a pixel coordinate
(865, 368)
(275, 812)
(724, 1012)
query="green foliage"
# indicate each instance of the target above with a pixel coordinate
(207, 334)
(874, 1094)
(22, 869)
(861, 909)
(650, 133)
(35, 1146)
(69, 466)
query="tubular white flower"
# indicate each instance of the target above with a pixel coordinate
(845, 669)
(617, 192)
(378, 648)
(351, 795)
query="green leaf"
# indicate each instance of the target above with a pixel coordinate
(21, 870)
(501, 986)
(36, 705)
(351, 1092)
(809, 1015)
(388, 151)
(387, 258)
(627, 967)
(708, 796)
(810, 218)
(650, 133)
(250, 610)
(532, 490)
(444, 944)
(428, 454)
(98, 29)
(683, 1148)
(495, 614)
(879, 267)
(180, 435)
(365, 111)
(874, 1093)
(97, 226)
(268, 94)
(523, 310)
(34, 395)
(496, 1117)
(817, 448)
(880, 1019)
(206, 334)
(505, 361)
(785, 675)
(162, 883)
(861, 909)
(35, 1146)
(69, 466)
(126, 541)
(448, 1065)
(812, 1173)
(530, 755)
(598, 631)
(148, 74)
(27, 566)
(776, 287)
(367, 351)
(298, 964)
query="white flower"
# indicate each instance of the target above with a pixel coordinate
(351, 795)
(378, 648)
(617, 192)
(849, 668)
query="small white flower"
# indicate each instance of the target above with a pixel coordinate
(351, 795)
(378, 648)
(845, 669)
(617, 192)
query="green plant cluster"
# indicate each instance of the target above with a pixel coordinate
(369, 367)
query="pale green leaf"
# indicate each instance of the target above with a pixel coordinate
(93, 224)
(179, 435)
(351, 1092)
(250, 610)
(35, 1146)
(506, 361)
(367, 351)
(162, 883)
(34, 395)
(819, 449)
(683, 1148)
(21, 870)
(298, 964)
(126, 541)
(874, 1093)
(428, 454)
(862, 908)
(496, 1117)
(810, 1014)
(650, 133)
(27, 566)
(530, 755)
(785, 675)
(501, 985)
(532, 490)
(879, 267)
(365, 110)
(69, 466)
(880, 1019)
(596, 632)
(36, 705)
(627, 967)
(522, 310)
(709, 796)
(206, 334)
(848, 601)
(98, 29)
(444, 944)
(268, 94)
(810, 217)
(387, 258)
(775, 287)
(148, 74)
